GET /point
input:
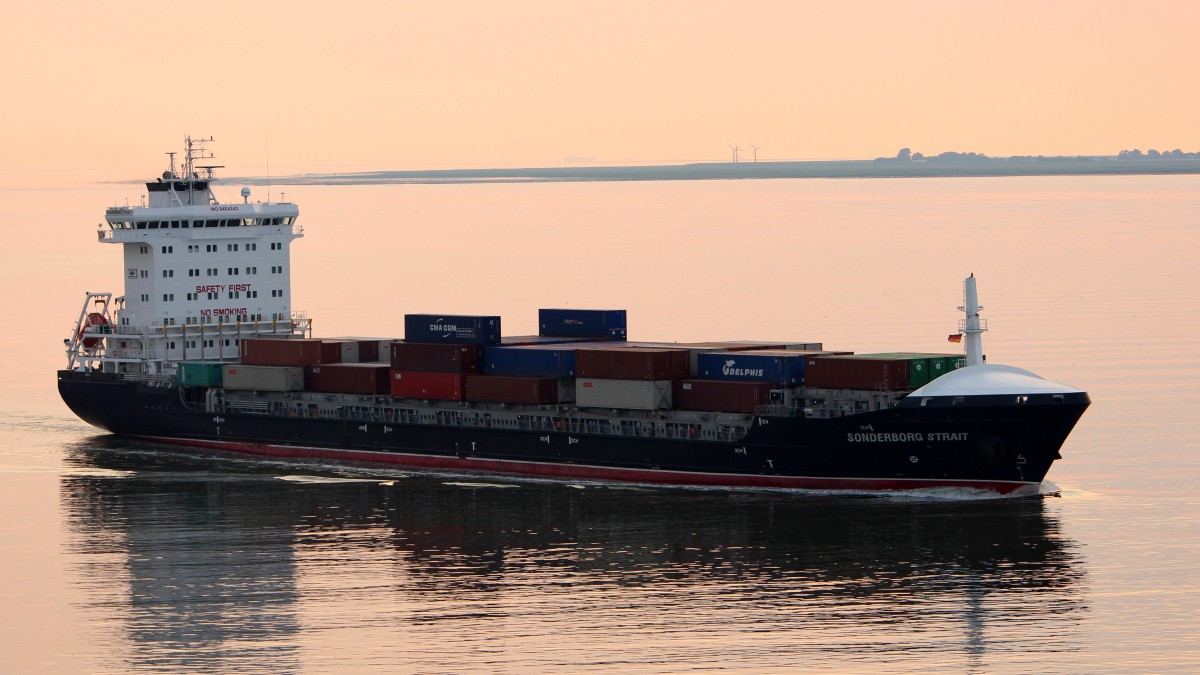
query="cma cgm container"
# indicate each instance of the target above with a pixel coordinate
(530, 361)
(348, 378)
(583, 323)
(439, 358)
(418, 384)
(200, 373)
(458, 329)
(722, 396)
(628, 394)
(262, 378)
(856, 372)
(284, 352)
(498, 389)
(632, 363)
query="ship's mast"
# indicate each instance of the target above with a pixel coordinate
(972, 327)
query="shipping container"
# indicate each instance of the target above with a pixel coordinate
(437, 358)
(200, 373)
(774, 366)
(419, 384)
(285, 352)
(601, 323)
(347, 350)
(348, 378)
(447, 328)
(262, 378)
(529, 340)
(856, 372)
(499, 389)
(632, 363)
(625, 394)
(722, 396)
(529, 361)
(370, 349)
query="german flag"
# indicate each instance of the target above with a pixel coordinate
(955, 337)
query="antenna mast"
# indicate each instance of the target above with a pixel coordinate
(972, 326)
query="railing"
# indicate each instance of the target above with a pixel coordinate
(775, 411)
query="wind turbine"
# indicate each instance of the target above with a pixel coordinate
(735, 152)
(756, 148)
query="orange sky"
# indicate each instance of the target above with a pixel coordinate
(101, 90)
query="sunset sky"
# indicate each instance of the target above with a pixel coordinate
(99, 91)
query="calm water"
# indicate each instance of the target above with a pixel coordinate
(122, 556)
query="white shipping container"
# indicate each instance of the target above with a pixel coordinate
(629, 394)
(350, 352)
(263, 378)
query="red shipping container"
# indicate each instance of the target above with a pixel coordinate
(722, 395)
(435, 357)
(282, 352)
(421, 384)
(505, 389)
(348, 378)
(632, 363)
(856, 372)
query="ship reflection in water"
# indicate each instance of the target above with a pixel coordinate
(228, 562)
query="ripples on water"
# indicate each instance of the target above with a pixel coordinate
(226, 562)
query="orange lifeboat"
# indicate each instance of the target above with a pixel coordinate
(93, 319)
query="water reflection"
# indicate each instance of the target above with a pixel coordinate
(223, 559)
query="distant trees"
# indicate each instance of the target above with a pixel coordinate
(907, 155)
(1154, 154)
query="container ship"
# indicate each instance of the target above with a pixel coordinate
(204, 349)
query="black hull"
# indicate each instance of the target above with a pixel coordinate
(987, 444)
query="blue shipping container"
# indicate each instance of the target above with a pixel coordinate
(529, 361)
(457, 329)
(604, 323)
(751, 367)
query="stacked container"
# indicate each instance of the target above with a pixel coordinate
(289, 352)
(438, 352)
(504, 389)
(631, 377)
(433, 385)
(262, 378)
(452, 328)
(858, 372)
(583, 323)
(349, 378)
(200, 373)
(720, 396)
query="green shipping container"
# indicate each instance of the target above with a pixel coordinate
(937, 364)
(200, 373)
(922, 368)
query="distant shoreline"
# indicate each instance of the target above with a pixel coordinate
(877, 168)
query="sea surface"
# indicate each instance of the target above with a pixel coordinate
(124, 556)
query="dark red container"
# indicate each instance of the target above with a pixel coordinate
(856, 372)
(283, 352)
(368, 350)
(632, 363)
(438, 358)
(505, 389)
(420, 384)
(348, 378)
(722, 396)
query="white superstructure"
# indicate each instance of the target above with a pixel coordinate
(199, 276)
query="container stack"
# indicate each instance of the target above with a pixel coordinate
(630, 377)
(437, 354)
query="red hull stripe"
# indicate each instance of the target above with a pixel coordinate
(591, 472)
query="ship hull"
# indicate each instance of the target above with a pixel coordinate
(989, 444)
